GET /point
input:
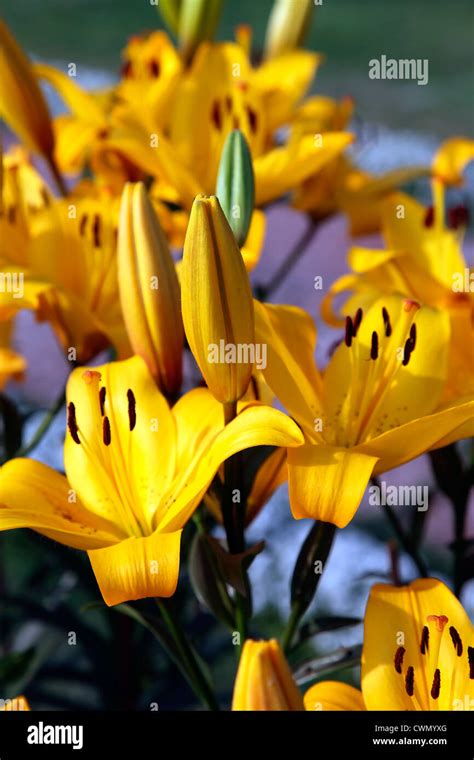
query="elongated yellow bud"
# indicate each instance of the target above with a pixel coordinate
(264, 680)
(217, 302)
(287, 26)
(149, 289)
(22, 103)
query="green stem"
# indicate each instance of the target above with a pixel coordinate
(43, 427)
(291, 626)
(264, 291)
(404, 539)
(188, 664)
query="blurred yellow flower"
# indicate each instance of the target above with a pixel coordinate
(377, 405)
(17, 703)
(136, 470)
(418, 654)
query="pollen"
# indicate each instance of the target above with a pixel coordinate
(398, 659)
(216, 115)
(374, 347)
(96, 231)
(349, 332)
(429, 217)
(410, 681)
(436, 687)
(106, 434)
(357, 320)
(102, 395)
(425, 640)
(132, 409)
(456, 639)
(386, 322)
(72, 423)
(470, 657)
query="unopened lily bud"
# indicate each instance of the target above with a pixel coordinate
(264, 680)
(22, 104)
(217, 302)
(287, 26)
(149, 289)
(198, 21)
(235, 184)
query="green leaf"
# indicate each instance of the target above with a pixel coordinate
(317, 667)
(208, 582)
(306, 575)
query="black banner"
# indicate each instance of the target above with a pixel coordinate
(319, 734)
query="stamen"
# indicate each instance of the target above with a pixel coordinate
(82, 225)
(102, 394)
(425, 639)
(456, 639)
(132, 410)
(228, 103)
(398, 659)
(11, 214)
(236, 122)
(439, 620)
(349, 332)
(374, 348)
(96, 230)
(357, 320)
(386, 321)
(429, 217)
(126, 70)
(410, 681)
(71, 422)
(413, 336)
(106, 435)
(154, 67)
(458, 216)
(216, 115)
(470, 657)
(252, 119)
(44, 196)
(435, 688)
(407, 352)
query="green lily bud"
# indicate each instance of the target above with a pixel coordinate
(235, 184)
(198, 21)
(287, 26)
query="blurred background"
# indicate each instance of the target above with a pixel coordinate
(48, 592)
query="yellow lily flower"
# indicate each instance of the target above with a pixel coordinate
(23, 105)
(217, 302)
(17, 703)
(136, 470)
(149, 290)
(264, 680)
(376, 406)
(423, 260)
(418, 654)
(65, 251)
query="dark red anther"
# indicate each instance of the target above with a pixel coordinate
(349, 332)
(72, 423)
(374, 346)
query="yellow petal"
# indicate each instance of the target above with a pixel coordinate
(283, 81)
(395, 617)
(122, 480)
(252, 247)
(401, 444)
(35, 496)
(138, 567)
(264, 680)
(327, 483)
(290, 336)
(451, 159)
(81, 103)
(333, 695)
(281, 169)
(255, 425)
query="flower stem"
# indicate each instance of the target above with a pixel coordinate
(265, 291)
(43, 427)
(188, 663)
(233, 515)
(291, 626)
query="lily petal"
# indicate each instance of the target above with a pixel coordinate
(327, 482)
(138, 567)
(333, 695)
(35, 496)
